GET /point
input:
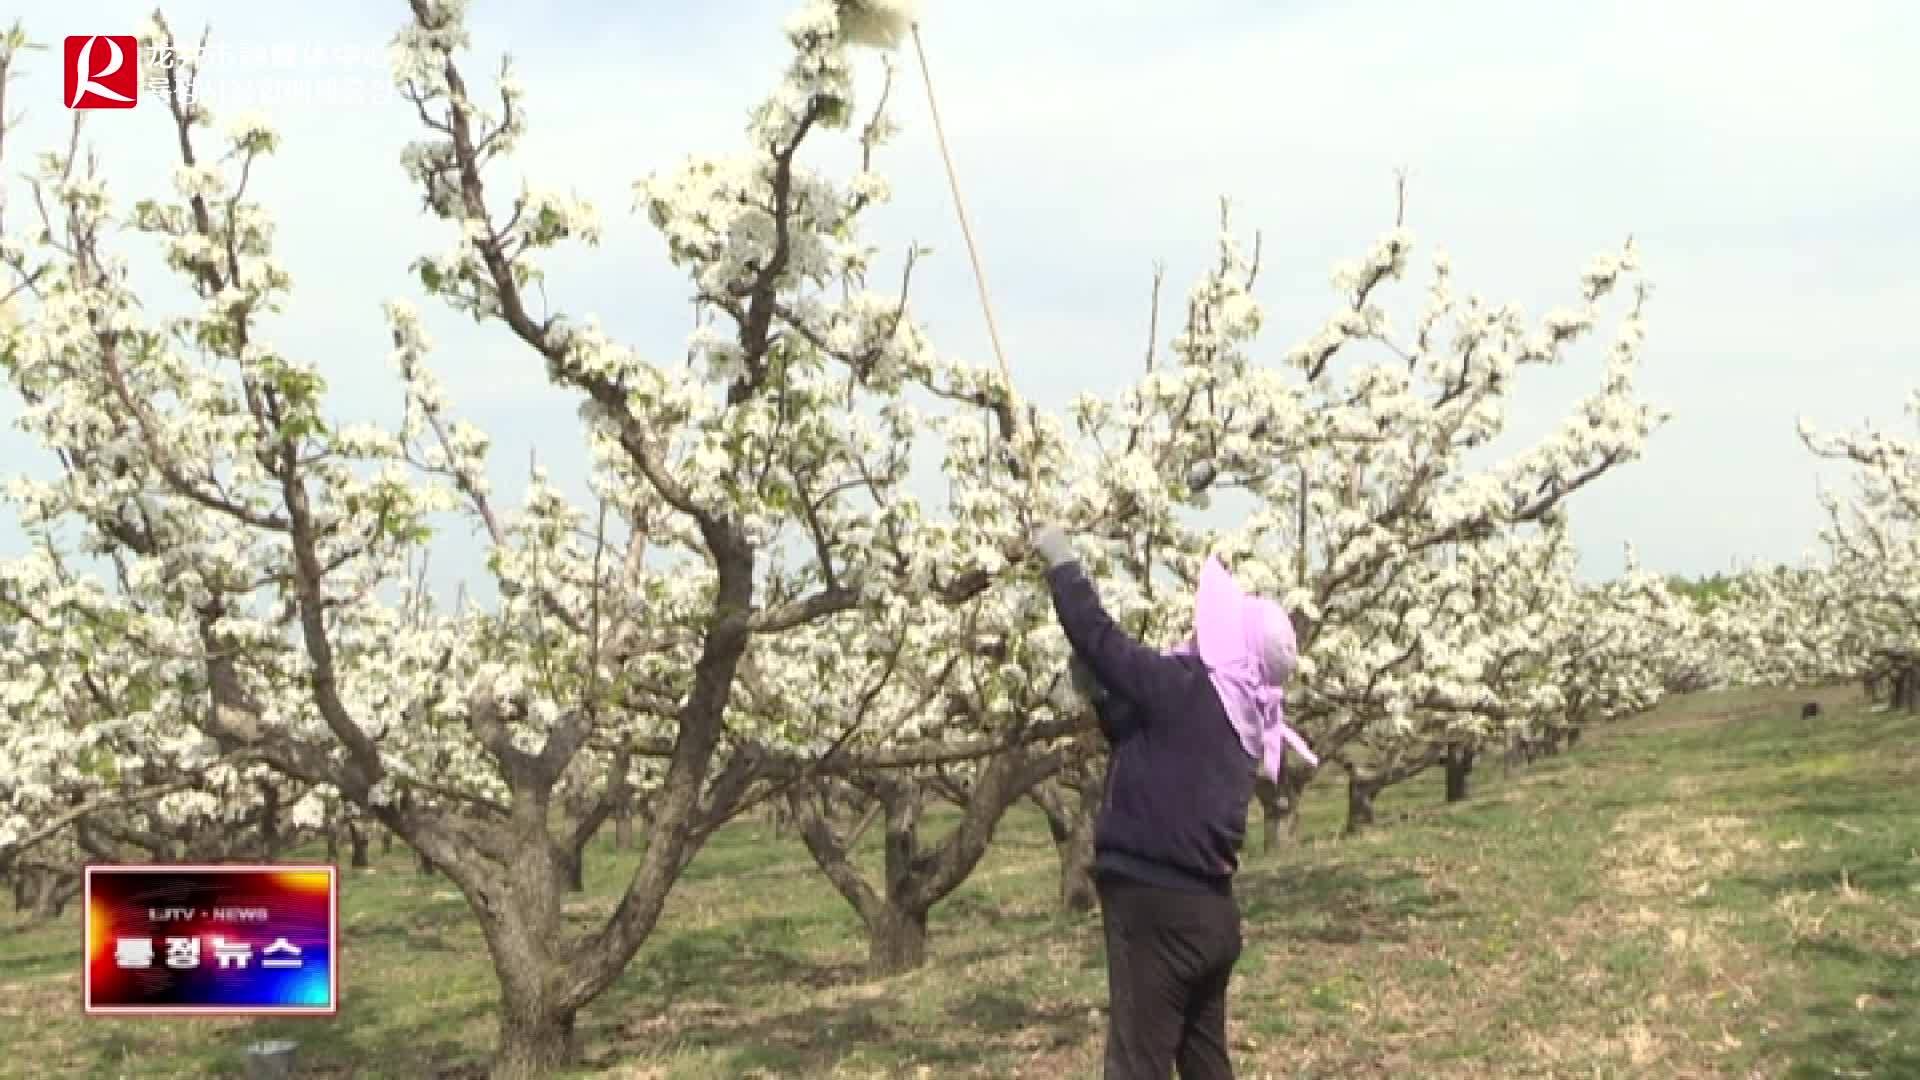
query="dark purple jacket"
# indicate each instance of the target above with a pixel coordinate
(1178, 780)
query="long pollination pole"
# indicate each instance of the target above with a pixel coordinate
(1017, 414)
(882, 23)
(960, 207)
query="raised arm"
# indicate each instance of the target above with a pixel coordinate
(1118, 717)
(1126, 668)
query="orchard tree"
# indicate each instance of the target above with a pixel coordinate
(1874, 541)
(980, 660)
(1368, 512)
(1631, 640)
(1787, 625)
(256, 542)
(104, 763)
(1850, 609)
(1475, 622)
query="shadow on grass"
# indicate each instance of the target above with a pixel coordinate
(388, 937)
(1888, 975)
(1843, 1037)
(357, 1042)
(997, 1014)
(40, 964)
(981, 910)
(704, 991)
(724, 962)
(1341, 903)
(1877, 872)
(807, 1040)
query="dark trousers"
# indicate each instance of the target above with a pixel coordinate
(1169, 955)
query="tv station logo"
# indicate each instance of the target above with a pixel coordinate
(102, 71)
(109, 71)
(212, 940)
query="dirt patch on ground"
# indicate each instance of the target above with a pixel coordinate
(1658, 854)
(30, 997)
(1686, 961)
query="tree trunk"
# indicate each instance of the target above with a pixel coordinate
(1280, 807)
(535, 1042)
(1360, 793)
(914, 879)
(573, 862)
(1051, 804)
(896, 941)
(1459, 767)
(58, 892)
(270, 819)
(1071, 827)
(25, 889)
(1273, 811)
(1573, 737)
(623, 828)
(1906, 688)
(1077, 893)
(386, 842)
(43, 894)
(1519, 755)
(333, 842)
(1291, 789)
(422, 865)
(357, 837)
(536, 1028)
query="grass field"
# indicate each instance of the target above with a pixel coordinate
(1715, 889)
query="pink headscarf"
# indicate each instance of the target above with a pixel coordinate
(1241, 638)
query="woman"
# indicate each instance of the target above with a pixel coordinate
(1187, 729)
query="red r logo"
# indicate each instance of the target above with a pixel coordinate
(102, 72)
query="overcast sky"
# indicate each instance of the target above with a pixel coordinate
(1764, 156)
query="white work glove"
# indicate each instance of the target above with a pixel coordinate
(1053, 546)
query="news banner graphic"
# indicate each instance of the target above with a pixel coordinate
(212, 940)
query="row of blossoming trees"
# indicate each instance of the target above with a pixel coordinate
(1851, 609)
(221, 621)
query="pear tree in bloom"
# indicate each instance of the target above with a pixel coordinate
(1367, 520)
(1381, 461)
(1130, 479)
(1469, 629)
(257, 544)
(103, 762)
(1873, 538)
(1850, 609)
(978, 660)
(1182, 430)
(1785, 625)
(959, 717)
(87, 731)
(1618, 649)
(1631, 639)
(954, 690)
(1368, 511)
(1514, 652)
(1473, 620)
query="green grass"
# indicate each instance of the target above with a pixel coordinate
(1715, 889)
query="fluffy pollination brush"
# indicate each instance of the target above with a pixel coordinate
(883, 24)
